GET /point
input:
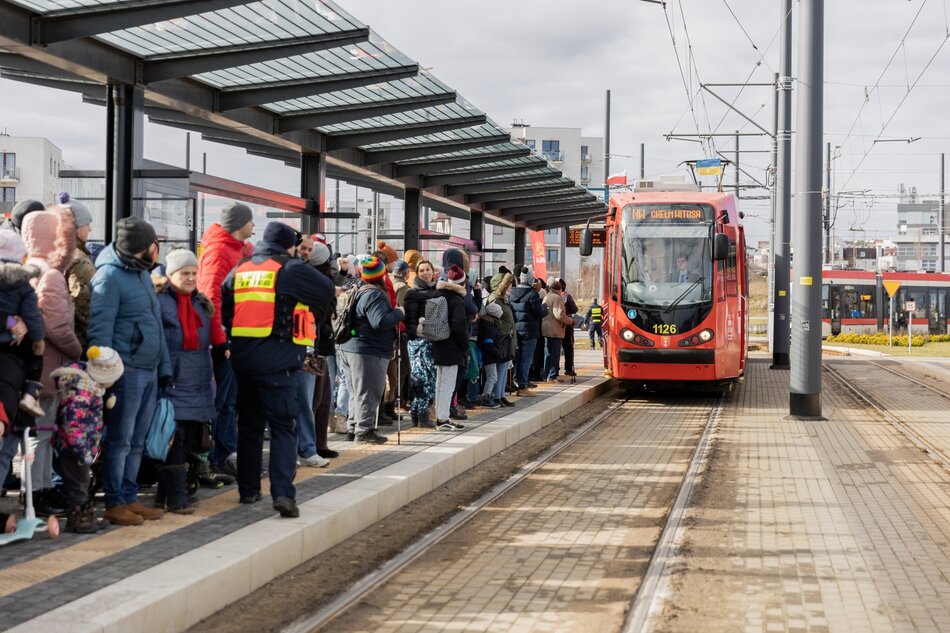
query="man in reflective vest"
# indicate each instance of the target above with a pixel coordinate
(595, 319)
(267, 305)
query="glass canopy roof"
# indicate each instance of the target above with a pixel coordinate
(376, 96)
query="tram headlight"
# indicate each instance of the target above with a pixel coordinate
(627, 335)
(706, 335)
(703, 336)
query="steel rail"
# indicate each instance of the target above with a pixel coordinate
(379, 577)
(936, 454)
(654, 584)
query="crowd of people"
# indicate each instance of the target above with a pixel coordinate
(282, 339)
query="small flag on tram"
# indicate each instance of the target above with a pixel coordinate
(709, 167)
(618, 178)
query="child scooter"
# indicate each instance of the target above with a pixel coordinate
(29, 524)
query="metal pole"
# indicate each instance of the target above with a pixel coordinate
(336, 222)
(805, 377)
(783, 197)
(187, 151)
(607, 147)
(771, 265)
(829, 257)
(941, 221)
(737, 164)
(642, 161)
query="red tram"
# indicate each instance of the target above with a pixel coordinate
(676, 288)
(856, 301)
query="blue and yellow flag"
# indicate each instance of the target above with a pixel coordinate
(709, 167)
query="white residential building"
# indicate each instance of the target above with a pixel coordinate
(29, 170)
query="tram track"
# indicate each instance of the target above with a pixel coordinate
(937, 454)
(651, 586)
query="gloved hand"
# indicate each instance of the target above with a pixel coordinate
(164, 383)
(220, 352)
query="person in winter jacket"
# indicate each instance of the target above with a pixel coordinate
(80, 391)
(50, 238)
(450, 353)
(125, 315)
(421, 366)
(500, 285)
(319, 363)
(528, 310)
(365, 357)
(412, 257)
(20, 211)
(268, 304)
(568, 344)
(552, 328)
(187, 324)
(594, 320)
(223, 247)
(82, 269)
(472, 301)
(494, 346)
(399, 366)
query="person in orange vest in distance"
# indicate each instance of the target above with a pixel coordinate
(267, 306)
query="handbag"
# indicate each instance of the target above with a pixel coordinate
(161, 433)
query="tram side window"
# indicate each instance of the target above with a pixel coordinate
(731, 274)
(848, 302)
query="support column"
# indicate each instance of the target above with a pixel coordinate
(562, 254)
(783, 198)
(476, 233)
(411, 223)
(520, 245)
(805, 377)
(125, 195)
(313, 181)
(942, 221)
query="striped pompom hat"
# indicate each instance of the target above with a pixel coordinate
(373, 268)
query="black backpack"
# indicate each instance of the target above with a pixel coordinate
(343, 320)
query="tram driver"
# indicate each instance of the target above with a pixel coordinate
(682, 274)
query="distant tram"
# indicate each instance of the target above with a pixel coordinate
(675, 287)
(856, 301)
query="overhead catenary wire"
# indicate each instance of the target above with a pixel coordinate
(679, 64)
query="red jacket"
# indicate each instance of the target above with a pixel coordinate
(220, 254)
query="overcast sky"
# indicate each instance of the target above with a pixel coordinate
(549, 63)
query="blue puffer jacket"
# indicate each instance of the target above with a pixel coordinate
(528, 309)
(191, 391)
(375, 323)
(124, 314)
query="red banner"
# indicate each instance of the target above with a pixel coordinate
(538, 255)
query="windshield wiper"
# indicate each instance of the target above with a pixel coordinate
(676, 301)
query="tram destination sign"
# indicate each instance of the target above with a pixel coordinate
(669, 213)
(574, 237)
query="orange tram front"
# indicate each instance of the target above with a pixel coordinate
(675, 290)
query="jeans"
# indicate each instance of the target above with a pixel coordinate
(343, 386)
(332, 369)
(599, 330)
(552, 357)
(306, 425)
(494, 371)
(444, 386)
(125, 428)
(523, 363)
(502, 380)
(268, 400)
(366, 378)
(224, 426)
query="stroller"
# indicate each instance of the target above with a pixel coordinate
(29, 524)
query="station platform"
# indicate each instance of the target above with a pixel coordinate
(168, 575)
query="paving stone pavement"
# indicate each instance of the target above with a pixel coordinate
(836, 525)
(565, 549)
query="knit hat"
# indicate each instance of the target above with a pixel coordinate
(400, 267)
(526, 277)
(12, 248)
(134, 235)
(22, 208)
(493, 309)
(281, 235)
(105, 365)
(388, 251)
(373, 268)
(455, 275)
(80, 211)
(236, 215)
(178, 259)
(320, 254)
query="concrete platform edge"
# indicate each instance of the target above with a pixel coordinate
(180, 592)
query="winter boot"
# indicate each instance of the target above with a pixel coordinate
(30, 400)
(176, 490)
(424, 421)
(457, 413)
(82, 519)
(389, 410)
(414, 417)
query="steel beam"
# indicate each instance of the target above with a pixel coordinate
(537, 200)
(75, 24)
(434, 166)
(313, 177)
(558, 223)
(329, 116)
(125, 114)
(517, 192)
(383, 134)
(546, 208)
(503, 185)
(563, 210)
(520, 247)
(413, 207)
(455, 178)
(422, 150)
(173, 66)
(87, 89)
(259, 94)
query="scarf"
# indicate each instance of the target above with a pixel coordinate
(419, 284)
(132, 261)
(190, 323)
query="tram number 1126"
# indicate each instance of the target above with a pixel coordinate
(664, 328)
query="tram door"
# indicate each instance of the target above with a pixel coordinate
(834, 305)
(937, 311)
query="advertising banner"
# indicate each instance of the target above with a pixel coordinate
(538, 255)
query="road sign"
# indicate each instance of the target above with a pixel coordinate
(891, 287)
(910, 306)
